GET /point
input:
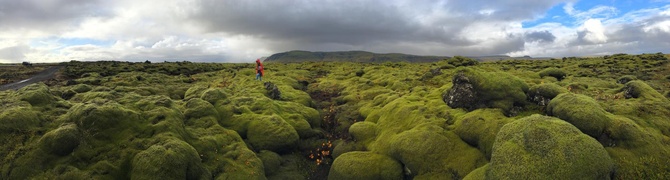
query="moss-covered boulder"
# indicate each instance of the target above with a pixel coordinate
(81, 88)
(37, 94)
(105, 121)
(194, 92)
(18, 119)
(559, 74)
(213, 95)
(363, 131)
(625, 79)
(479, 128)
(239, 162)
(171, 159)
(198, 108)
(639, 89)
(431, 153)
(581, 111)
(473, 89)
(61, 141)
(365, 165)
(271, 161)
(543, 93)
(540, 147)
(272, 90)
(271, 133)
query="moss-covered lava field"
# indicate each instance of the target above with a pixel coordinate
(572, 118)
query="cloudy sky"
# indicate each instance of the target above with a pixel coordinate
(243, 30)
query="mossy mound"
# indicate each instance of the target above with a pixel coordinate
(198, 108)
(271, 161)
(363, 131)
(17, 119)
(213, 95)
(476, 89)
(171, 159)
(104, 121)
(479, 128)
(625, 79)
(559, 74)
(81, 88)
(37, 94)
(581, 111)
(639, 89)
(430, 153)
(239, 163)
(61, 141)
(365, 165)
(271, 133)
(538, 147)
(194, 92)
(543, 93)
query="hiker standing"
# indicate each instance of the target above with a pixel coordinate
(259, 70)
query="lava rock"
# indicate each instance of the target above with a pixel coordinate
(273, 91)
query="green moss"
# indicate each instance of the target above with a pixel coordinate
(363, 131)
(553, 72)
(581, 111)
(81, 88)
(152, 102)
(271, 133)
(477, 174)
(431, 153)
(213, 95)
(537, 147)
(198, 108)
(18, 119)
(341, 147)
(240, 163)
(171, 159)
(61, 141)
(639, 89)
(625, 79)
(546, 90)
(271, 161)
(365, 165)
(479, 128)
(195, 91)
(104, 121)
(92, 95)
(476, 89)
(36, 94)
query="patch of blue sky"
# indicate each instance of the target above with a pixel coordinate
(84, 41)
(558, 14)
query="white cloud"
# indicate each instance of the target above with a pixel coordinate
(243, 30)
(593, 31)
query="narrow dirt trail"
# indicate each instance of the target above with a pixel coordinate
(42, 76)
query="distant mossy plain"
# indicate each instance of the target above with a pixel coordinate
(570, 118)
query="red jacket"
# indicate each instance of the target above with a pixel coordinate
(259, 67)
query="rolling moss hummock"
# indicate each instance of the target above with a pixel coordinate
(391, 120)
(539, 147)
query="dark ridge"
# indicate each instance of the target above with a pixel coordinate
(349, 56)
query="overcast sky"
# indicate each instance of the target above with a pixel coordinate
(243, 30)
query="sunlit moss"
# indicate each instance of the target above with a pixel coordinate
(538, 147)
(365, 165)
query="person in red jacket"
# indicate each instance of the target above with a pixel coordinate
(259, 70)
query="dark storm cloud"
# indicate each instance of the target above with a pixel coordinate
(41, 13)
(361, 22)
(540, 36)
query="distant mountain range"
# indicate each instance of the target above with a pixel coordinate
(364, 56)
(349, 56)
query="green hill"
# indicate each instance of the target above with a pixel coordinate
(349, 56)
